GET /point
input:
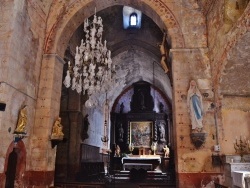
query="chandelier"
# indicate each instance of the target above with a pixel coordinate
(93, 68)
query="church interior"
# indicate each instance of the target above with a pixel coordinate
(118, 93)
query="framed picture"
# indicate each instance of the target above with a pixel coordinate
(141, 133)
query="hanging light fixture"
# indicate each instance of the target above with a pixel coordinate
(93, 68)
(105, 137)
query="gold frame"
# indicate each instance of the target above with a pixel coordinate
(141, 133)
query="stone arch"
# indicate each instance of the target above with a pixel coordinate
(20, 150)
(69, 18)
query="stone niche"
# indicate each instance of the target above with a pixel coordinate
(142, 99)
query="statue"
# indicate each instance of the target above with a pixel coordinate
(161, 107)
(195, 107)
(163, 52)
(22, 121)
(121, 108)
(85, 128)
(57, 130)
(117, 151)
(142, 99)
(121, 131)
(161, 128)
(166, 151)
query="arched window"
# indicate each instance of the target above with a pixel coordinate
(133, 19)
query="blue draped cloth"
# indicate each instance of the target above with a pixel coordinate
(197, 106)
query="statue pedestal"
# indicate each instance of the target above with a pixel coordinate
(198, 139)
(56, 140)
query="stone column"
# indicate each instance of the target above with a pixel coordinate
(75, 119)
(187, 65)
(42, 155)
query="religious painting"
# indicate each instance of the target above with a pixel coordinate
(141, 133)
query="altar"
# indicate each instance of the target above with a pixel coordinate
(146, 162)
(235, 174)
(239, 178)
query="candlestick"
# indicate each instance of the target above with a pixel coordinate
(242, 147)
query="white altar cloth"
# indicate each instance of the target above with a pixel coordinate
(238, 178)
(141, 158)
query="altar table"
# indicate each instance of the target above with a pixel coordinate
(238, 178)
(137, 166)
(146, 162)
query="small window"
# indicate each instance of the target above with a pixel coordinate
(133, 19)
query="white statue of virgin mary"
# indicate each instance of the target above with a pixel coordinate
(195, 106)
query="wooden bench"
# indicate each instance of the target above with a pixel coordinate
(90, 171)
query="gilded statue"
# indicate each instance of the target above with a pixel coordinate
(163, 52)
(22, 121)
(57, 130)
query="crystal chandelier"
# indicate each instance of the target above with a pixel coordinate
(93, 68)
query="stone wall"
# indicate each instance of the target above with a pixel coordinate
(227, 26)
(34, 37)
(21, 46)
(193, 163)
(235, 121)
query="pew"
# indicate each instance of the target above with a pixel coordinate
(90, 171)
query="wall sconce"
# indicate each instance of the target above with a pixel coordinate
(198, 139)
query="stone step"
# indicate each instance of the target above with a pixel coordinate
(151, 176)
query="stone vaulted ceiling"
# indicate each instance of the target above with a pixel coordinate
(130, 47)
(134, 51)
